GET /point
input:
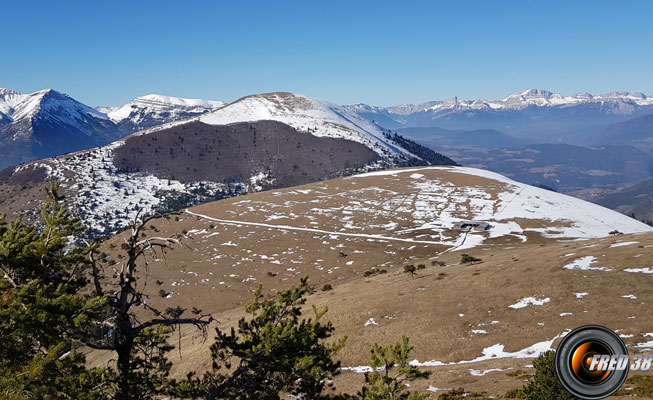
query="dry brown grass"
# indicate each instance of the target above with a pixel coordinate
(440, 309)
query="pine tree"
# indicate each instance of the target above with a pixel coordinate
(43, 315)
(274, 353)
(390, 373)
(545, 384)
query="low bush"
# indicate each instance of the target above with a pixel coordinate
(467, 259)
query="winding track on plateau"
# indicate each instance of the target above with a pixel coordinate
(321, 231)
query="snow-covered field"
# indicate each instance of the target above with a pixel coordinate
(423, 206)
(107, 199)
(566, 217)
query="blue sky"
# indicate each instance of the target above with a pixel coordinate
(376, 52)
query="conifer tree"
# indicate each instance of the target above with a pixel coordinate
(545, 383)
(43, 314)
(390, 373)
(274, 353)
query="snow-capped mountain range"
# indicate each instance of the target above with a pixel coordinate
(48, 123)
(153, 109)
(534, 115)
(516, 101)
(306, 114)
(16, 107)
(259, 142)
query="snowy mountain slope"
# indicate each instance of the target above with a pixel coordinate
(48, 104)
(48, 123)
(8, 100)
(544, 98)
(190, 162)
(146, 111)
(61, 108)
(320, 118)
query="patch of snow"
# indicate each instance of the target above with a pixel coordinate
(620, 244)
(586, 220)
(477, 372)
(529, 301)
(359, 370)
(645, 345)
(584, 263)
(646, 270)
(496, 352)
(107, 199)
(435, 389)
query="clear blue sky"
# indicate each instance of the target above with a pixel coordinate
(376, 52)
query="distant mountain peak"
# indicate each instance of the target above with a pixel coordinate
(153, 109)
(48, 122)
(624, 95)
(533, 93)
(308, 114)
(516, 101)
(4, 91)
(178, 101)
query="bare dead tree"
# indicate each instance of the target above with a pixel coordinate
(122, 327)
